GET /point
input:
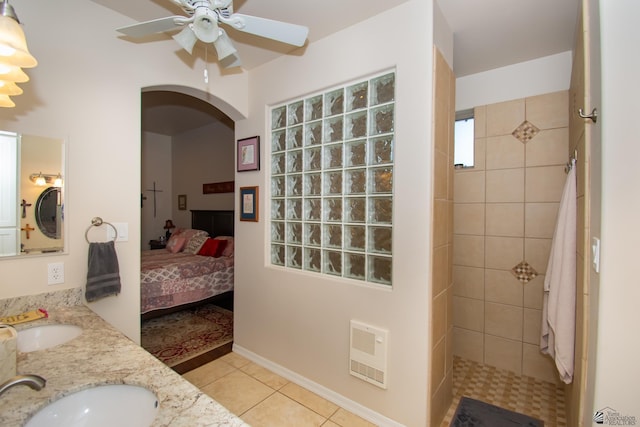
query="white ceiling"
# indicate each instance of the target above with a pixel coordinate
(488, 34)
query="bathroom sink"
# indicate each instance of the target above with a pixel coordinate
(46, 336)
(118, 405)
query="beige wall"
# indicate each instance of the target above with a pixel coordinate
(441, 384)
(504, 213)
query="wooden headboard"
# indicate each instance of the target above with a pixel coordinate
(216, 223)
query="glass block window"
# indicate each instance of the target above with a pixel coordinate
(332, 181)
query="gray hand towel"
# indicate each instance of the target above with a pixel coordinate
(103, 276)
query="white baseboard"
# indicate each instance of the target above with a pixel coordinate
(348, 404)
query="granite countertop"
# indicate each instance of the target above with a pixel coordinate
(102, 355)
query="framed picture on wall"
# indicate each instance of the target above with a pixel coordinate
(249, 154)
(182, 202)
(249, 204)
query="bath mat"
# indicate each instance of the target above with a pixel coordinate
(189, 338)
(474, 413)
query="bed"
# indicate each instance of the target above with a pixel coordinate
(170, 281)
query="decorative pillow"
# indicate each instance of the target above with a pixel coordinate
(175, 244)
(229, 249)
(195, 243)
(212, 247)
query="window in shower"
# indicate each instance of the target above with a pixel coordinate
(332, 170)
(464, 139)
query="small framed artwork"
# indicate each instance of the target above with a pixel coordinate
(249, 154)
(249, 204)
(182, 202)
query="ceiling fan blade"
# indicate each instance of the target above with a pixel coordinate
(155, 26)
(292, 34)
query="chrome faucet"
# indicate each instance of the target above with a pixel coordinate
(36, 382)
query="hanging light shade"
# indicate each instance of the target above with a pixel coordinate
(223, 45)
(13, 45)
(9, 88)
(186, 38)
(205, 25)
(6, 102)
(11, 73)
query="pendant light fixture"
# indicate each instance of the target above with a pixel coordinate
(14, 55)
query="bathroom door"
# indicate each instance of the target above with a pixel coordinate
(584, 135)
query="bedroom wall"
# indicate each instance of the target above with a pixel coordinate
(156, 166)
(86, 89)
(203, 155)
(299, 320)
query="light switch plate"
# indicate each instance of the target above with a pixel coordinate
(123, 231)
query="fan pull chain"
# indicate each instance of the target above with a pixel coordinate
(206, 64)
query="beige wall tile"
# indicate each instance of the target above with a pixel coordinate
(501, 286)
(468, 344)
(548, 147)
(503, 320)
(532, 326)
(468, 218)
(468, 250)
(503, 118)
(468, 313)
(468, 281)
(441, 164)
(533, 292)
(505, 219)
(549, 110)
(440, 401)
(503, 253)
(503, 353)
(540, 219)
(439, 317)
(468, 187)
(480, 121)
(504, 152)
(505, 186)
(438, 364)
(440, 269)
(538, 365)
(536, 253)
(480, 154)
(440, 222)
(543, 184)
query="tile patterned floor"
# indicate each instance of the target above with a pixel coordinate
(529, 396)
(264, 399)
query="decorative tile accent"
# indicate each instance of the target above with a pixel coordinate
(525, 132)
(524, 272)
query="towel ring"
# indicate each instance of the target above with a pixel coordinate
(97, 222)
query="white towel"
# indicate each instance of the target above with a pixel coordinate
(559, 304)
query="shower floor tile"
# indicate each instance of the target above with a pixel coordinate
(529, 396)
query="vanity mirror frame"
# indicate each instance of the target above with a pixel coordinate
(27, 195)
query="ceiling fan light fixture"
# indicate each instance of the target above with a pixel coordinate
(223, 45)
(186, 38)
(205, 25)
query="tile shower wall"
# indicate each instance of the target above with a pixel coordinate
(505, 211)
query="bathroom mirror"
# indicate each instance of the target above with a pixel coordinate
(32, 181)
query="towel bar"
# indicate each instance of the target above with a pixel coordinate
(97, 222)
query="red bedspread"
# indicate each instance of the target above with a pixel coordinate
(168, 279)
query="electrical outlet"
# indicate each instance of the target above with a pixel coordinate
(55, 273)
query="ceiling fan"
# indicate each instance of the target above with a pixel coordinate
(202, 23)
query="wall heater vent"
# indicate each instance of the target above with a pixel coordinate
(368, 355)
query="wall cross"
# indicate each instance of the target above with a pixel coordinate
(24, 205)
(154, 191)
(27, 228)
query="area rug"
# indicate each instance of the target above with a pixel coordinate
(189, 338)
(474, 413)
